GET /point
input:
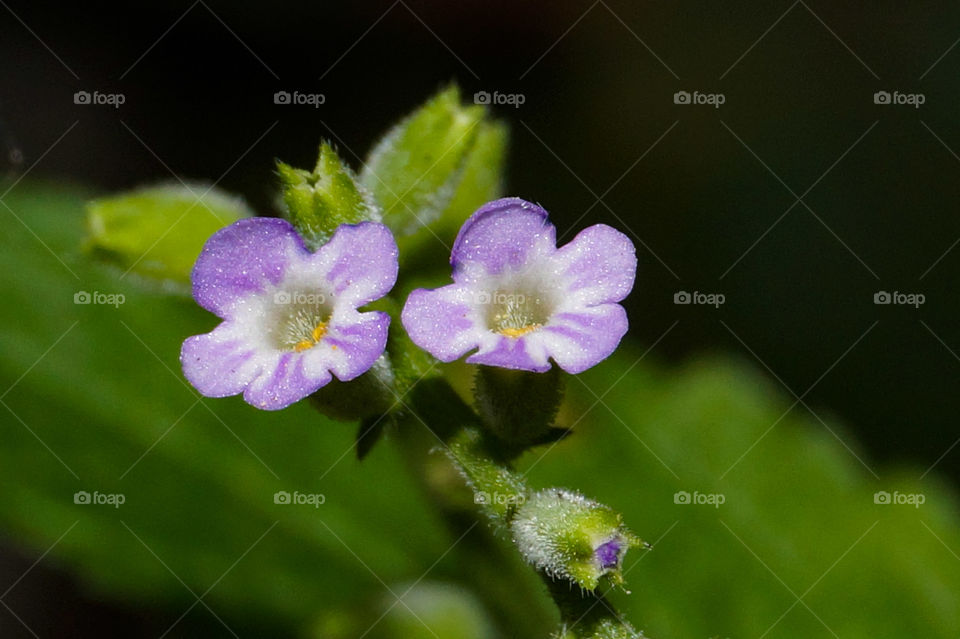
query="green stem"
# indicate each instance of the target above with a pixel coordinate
(494, 572)
(584, 614)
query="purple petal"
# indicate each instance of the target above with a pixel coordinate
(222, 362)
(519, 353)
(599, 264)
(243, 259)
(359, 261)
(503, 234)
(352, 349)
(441, 321)
(578, 340)
(286, 382)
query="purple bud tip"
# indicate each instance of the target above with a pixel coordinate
(608, 553)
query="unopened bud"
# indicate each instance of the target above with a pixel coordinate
(568, 536)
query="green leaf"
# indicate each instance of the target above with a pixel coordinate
(414, 171)
(159, 231)
(318, 202)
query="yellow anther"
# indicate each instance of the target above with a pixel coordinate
(519, 332)
(315, 336)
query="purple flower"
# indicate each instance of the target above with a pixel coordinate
(290, 316)
(519, 300)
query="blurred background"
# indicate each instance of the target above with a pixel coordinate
(797, 201)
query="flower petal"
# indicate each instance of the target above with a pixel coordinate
(599, 265)
(521, 353)
(503, 234)
(359, 262)
(288, 381)
(442, 321)
(243, 259)
(222, 362)
(579, 340)
(351, 347)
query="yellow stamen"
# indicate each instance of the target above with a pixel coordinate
(519, 332)
(318, 332)
(315, 336)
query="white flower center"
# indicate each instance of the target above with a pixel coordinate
(519, 305)
(298, 319)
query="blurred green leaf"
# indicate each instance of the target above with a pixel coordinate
(799, 511)
(319, 201)
(158, 231)
(414, 170)
(103, 407)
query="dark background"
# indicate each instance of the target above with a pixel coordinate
(598, 139)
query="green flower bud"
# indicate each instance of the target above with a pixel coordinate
(319, 201)
(415, 170)
(568, 536)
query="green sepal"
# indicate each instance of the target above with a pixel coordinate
(518, 407)
(369, 395)
(369, 432)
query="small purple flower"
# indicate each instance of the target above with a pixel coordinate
(290, 316)
(521, 301)
(609, 554)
